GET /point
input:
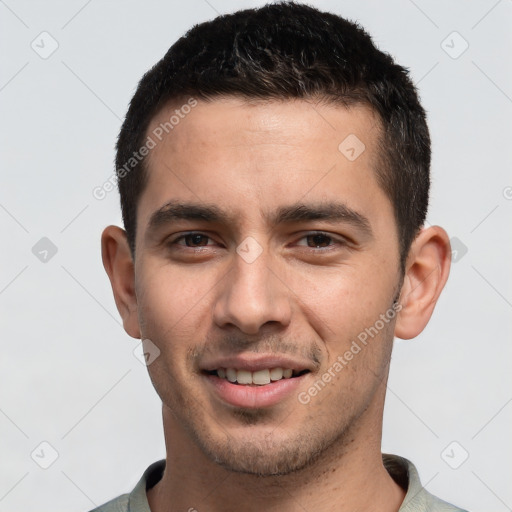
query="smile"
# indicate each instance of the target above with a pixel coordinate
(256, 378)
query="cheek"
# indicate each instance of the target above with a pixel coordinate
(172, 302)
(172, 306)
(339, 302)
(343, 307)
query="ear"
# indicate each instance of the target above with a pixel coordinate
(426, 272)
(118, 263)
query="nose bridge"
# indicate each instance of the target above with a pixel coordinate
(252, 296)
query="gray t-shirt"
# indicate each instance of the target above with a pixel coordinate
(417, 499)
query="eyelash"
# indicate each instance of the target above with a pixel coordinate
(313, 233)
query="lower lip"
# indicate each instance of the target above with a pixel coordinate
(254, 397)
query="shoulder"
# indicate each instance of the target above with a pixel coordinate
(434, 504)
(119, 504)
(136, 501)
(417, 498)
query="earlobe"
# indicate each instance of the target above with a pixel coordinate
(426, 273)
(118, 263)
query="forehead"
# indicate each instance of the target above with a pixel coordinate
(254, 156)
(236, 121)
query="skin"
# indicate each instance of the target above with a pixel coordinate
(302, 297)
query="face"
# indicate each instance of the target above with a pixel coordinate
(266, 270)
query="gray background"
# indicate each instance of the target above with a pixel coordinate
(69, 376)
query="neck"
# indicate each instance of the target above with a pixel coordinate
(346, 477)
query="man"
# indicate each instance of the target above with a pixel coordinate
(274, 175)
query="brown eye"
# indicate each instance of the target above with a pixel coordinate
(318, 239)
(195, 240)
(321, 241)
(192, 240)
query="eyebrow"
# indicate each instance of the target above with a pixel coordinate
(333, 212)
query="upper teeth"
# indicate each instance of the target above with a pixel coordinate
(260, 377)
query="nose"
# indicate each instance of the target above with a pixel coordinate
(252, 295)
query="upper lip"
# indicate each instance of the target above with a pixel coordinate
(254, 363)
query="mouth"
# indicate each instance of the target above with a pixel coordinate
(255, 382)
(261, 377)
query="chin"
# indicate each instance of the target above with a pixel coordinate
(254, 460)
(264, 453)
